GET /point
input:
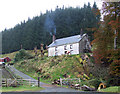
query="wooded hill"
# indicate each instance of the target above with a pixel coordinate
(62, 22)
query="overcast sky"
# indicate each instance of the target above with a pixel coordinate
(13, 12)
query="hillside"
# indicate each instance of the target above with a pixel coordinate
(52, 67)
(80, 66)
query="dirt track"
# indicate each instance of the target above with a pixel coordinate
(5, 73)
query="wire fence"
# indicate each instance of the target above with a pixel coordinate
(69, 82)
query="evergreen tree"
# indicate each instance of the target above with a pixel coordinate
(33, 32)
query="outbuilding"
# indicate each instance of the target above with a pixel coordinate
(5, 59)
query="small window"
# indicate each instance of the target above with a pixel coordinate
(65, 47)
(55, 48)
(5, 60)
(65, 52)
(71, 46)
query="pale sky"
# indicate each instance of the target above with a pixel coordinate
(13, 12)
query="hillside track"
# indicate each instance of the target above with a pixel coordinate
(5, 73)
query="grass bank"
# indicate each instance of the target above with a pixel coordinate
(111, 89)
(21, 88)
(73, 66)
(51, 67)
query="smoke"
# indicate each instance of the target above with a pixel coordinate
(50, 25)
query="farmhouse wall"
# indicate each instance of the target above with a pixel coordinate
(82, 44)
(51, 51)
(60, 50)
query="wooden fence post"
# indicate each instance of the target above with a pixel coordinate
(38, 81)
(29, 82)
(15, 82)
(6, 83)
(79, 80)
(61, 81)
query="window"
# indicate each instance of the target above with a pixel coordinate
(65, 47)
(71, 46)
(55, 48)
(65, 52)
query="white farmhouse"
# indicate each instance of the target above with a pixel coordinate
(70, 45)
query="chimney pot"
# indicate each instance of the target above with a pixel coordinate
(81, 32)
(53, 38)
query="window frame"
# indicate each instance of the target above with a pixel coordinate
(71, 46)
(56, 48)
(65, 47)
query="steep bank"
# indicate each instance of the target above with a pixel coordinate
(53, 67)
(50, 68)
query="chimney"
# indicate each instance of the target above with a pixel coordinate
(53, 38)
(81, 32)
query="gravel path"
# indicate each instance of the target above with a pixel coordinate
(51, 88)
(6, 74)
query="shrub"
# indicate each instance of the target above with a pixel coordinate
(94, 82)
(84, 83)
(114, 68)
(98, 71)
(113, 81)
(114, 73)
(22, 55)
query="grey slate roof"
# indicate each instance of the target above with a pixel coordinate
(67, 40)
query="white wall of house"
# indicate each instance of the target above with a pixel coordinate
(51, 51)
(75, 48)
(60, 50)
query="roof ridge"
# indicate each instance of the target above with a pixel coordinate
(68, 37)
(67, 40)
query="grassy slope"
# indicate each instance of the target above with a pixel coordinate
(111, 89)
(10, 55)
(54, 67)
(21, 88)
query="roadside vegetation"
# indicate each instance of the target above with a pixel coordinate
(111, 89)
(21, 88)
(66, 66)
